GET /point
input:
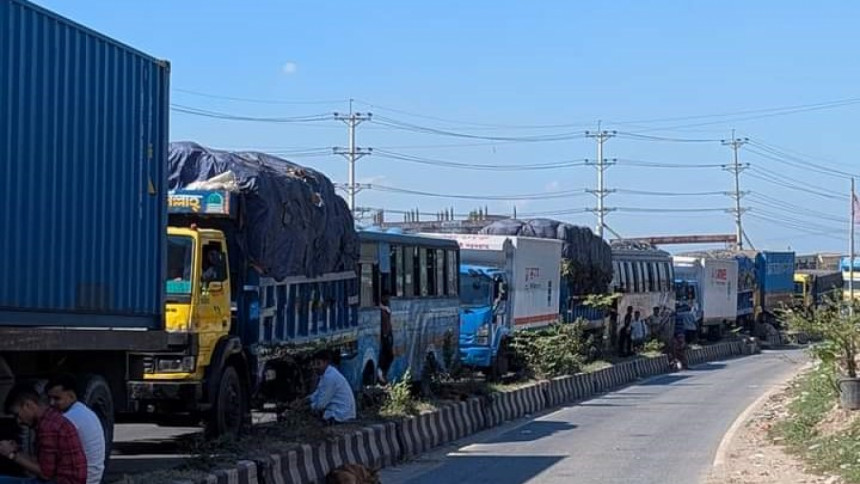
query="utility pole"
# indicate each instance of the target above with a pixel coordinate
(352, 153)
(602, 164)
(736, 168)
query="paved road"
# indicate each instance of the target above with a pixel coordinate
(666, 429)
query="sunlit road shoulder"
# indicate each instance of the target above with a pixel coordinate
(666, 429)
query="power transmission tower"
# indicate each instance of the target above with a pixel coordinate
(352, 153)
(602, 164)
(735, 169)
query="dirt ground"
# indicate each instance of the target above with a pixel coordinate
(751, 458)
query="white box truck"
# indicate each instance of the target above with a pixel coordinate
(506, 284)
(707, 286)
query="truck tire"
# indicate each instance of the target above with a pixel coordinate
(95, 393)
(229, 406)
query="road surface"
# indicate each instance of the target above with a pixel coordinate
(666, 429)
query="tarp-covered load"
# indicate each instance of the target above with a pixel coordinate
(587, 256)
(292, 221)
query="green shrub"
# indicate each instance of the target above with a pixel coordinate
(553, 351)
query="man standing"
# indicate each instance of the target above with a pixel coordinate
(63, 397)
(386, 343)
(333, 396)
(639, 331)
(624, 334)
(60, 457)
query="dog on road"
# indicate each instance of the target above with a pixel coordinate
(352, 474)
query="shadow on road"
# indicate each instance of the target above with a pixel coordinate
(664, 380)
(709, 367)
(533, 431)
(504, 469)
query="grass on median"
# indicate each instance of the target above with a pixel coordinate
(814, 398)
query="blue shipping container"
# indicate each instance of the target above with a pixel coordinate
(83, 147)
(776, 272)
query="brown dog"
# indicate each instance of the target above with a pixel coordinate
(352, 474)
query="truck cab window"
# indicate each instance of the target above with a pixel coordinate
(180, 252)
(213, 267)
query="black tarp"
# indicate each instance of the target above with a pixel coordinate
(589, 256)
(292, 221)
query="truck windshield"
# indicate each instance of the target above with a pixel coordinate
(475, 290)
(180, 251)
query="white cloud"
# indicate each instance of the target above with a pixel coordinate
(290, 68)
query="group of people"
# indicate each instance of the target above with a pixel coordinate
(634, 331)
(70, 439)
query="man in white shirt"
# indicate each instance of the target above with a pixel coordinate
(638, 331)
(333, 396)
(63, 396)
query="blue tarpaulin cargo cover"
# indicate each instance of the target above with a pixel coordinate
(292, 221)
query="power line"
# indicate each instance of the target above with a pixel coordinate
(257, 101)
(396, 124)
(235, 117)
(472, 123)
(644, 137)
(787, 159)
(657, 164)
(530, 196)
(778, 204)
(668, 194)
(768, 113)
(769, 178)
(669, 210)
(477, 166)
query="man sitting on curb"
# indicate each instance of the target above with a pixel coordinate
(333, 397)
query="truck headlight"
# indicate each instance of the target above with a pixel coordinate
(182, 364)
(482, 336)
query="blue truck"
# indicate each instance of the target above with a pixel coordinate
(506, 284)
(775, 277)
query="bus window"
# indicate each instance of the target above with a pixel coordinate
(431, 271)
(409, 270)
(453, 274)
(440, 272)
(670, 275)
(399, 271)
(628, 275)
(424, 288)
(637, 277)
(367, 286)
(652, 277)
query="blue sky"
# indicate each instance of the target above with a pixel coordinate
(514, 69)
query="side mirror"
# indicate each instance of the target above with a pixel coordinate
(215, 287)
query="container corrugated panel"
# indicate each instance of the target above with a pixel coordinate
(776, 272)
(83, 147)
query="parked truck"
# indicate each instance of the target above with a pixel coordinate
(708, 286)
(813, 287)
(506, 284)
(775, 276)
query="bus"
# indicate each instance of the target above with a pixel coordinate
(644, 278)
(420, 276)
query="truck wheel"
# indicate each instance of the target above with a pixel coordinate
(229, 406)
(95, 393)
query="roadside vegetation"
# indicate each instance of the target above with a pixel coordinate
(821, 423)
(814, 428)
